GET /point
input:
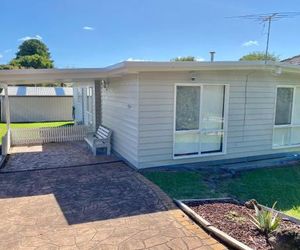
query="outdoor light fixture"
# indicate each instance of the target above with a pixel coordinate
(194, 75)
(105, 84)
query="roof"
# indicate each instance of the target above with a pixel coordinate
(292, 60)
(39, 91)
(29, 76)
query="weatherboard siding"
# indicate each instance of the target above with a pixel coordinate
(250, 114)
(120, 113)
(38, 109)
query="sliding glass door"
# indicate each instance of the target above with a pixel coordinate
(199, 120)
(287, 117)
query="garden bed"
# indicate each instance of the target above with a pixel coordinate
(233, 219)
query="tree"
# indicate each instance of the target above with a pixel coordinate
(33, 47)
(259, 56)
(32, 54)
(32, 61)
(184, 59)
(7, 66)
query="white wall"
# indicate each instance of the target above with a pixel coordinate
(120, 113)
(37, 109)
(250, 118)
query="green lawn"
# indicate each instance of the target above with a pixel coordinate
(31, 125)
(267, 186)
(180, 184)
(264, 185)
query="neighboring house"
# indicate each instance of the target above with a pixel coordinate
(167, 113)
(293, 60)
(37, 104)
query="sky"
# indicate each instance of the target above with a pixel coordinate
(97, 33)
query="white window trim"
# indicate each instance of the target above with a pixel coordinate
(292, 125)
(225, 124)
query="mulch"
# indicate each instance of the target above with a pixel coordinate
(234, 220)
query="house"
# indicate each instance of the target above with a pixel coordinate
(37, 104)
(168, 113)
(293, 60)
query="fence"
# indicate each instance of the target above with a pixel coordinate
(27, 136)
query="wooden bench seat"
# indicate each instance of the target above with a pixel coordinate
(100, 139)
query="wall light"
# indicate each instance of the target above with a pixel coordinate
(105, 84)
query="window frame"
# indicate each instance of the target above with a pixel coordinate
(199, 131)
(292, 125)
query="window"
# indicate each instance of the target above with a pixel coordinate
(287, 117)
(199, 120)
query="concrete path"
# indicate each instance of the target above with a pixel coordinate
(103, 206)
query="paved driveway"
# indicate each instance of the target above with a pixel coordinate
(102, 206)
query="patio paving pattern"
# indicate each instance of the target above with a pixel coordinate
(101, 206)
(52, 155)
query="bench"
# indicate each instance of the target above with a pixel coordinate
(100, 139)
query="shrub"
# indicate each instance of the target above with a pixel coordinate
(266, 221)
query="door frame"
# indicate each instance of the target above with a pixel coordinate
(225, 124)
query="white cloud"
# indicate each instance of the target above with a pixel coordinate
(199, 59)
(250, 43)
(88, 28)
(1, 56)
(30, 37)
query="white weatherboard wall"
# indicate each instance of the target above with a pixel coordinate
(120, 113)
(37, 109)
(250, 115)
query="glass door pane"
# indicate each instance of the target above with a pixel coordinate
(295, 136)
(186, 144)
(284, 104)
(281, 137)
(212, 117)
(187, 120)
(187, 107)
(296, 111)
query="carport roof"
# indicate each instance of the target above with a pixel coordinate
(29, 76)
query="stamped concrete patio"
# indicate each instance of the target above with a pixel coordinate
(48, 203)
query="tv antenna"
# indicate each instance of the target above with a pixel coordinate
(268, 18)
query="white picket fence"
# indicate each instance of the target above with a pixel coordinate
(27, 136)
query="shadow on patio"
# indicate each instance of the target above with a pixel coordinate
(87, 188)
(104, 205)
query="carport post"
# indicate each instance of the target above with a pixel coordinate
(7, 110)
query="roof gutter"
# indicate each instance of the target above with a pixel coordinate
(31, 76)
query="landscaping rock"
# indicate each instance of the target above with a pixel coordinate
(250, 204)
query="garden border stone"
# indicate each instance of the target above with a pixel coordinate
(209, 227)
(218, 233)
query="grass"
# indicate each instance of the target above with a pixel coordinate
(264, 185)
(179, 184)
(31, 125)
(267, 186)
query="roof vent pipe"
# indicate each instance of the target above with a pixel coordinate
(212, 56)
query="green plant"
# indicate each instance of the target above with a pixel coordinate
(266, 221)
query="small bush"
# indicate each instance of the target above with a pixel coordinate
(266, 221)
